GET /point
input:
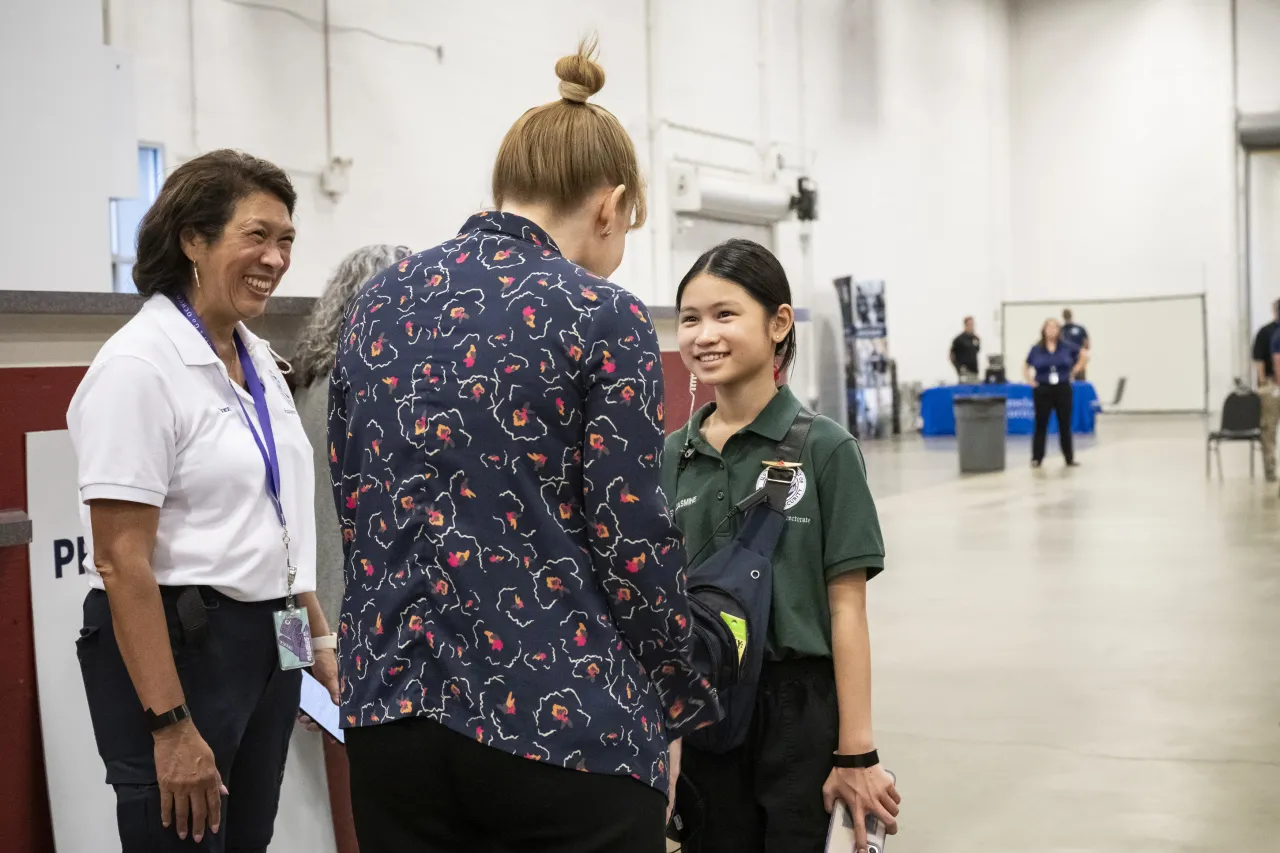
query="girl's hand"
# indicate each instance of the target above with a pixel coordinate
(864, 791)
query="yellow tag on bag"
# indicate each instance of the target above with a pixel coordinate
(737, 627)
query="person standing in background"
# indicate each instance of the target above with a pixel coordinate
(1051, 367)
(1265, 363)
(964, 354)
(312, 363)
(1075, 334)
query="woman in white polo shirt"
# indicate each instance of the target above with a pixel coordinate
(197, 485)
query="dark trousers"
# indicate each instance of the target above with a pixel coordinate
(417, 785)
(1052, 398)
(241, 702)
(766, 795)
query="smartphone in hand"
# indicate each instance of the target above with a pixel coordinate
(840, 834)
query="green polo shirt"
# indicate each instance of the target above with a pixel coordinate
(831, 527)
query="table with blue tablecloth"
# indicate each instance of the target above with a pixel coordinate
(939, 417)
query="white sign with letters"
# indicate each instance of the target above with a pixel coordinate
(82, 805)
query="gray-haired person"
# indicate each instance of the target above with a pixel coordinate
(312, 363)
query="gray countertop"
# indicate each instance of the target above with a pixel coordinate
(15, 528)
(117, 304)
(109, 304)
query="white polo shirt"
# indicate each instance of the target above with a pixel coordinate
(155, 421)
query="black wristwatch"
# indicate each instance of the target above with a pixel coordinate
(866, 759)
(168, 718)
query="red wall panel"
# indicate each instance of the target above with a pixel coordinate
(31, 400)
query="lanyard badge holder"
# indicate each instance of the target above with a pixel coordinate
(293, 627)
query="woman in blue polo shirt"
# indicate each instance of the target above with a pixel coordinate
(1052, 365)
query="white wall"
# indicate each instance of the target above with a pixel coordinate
(67, 145)
(1124, 158)
(908, 148)
(907, 107)
(1258, 55)
(1264, 237)
(421, 139)
(900, 109)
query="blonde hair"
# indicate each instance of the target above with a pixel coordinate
(561, 152)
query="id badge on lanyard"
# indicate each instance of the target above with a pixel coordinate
(1053, 376)
(293, 627)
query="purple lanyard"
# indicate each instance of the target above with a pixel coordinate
(268, 447)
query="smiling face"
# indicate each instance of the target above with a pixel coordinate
(725, 334)
(240, 270)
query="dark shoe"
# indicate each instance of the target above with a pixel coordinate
(1035, 463)
(1073, 464)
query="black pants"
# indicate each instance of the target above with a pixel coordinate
(417, 785)
(1052, 398)
(766, 795)
(241, 702)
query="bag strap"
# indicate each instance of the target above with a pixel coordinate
(771, 499)
(778, 479)
(792, 444)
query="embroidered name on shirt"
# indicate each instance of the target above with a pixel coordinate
(686, 502)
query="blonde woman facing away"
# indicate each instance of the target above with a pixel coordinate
(515, 629)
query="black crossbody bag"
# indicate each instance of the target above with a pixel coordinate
(731, 594)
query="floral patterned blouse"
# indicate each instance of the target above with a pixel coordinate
(512, 569)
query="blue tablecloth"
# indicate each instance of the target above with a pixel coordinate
(940, 419)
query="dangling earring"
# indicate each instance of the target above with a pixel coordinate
(196, 272)
(693, 395)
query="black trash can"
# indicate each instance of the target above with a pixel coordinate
(980, 432)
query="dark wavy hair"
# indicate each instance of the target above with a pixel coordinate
(754, 268)
(199, 198)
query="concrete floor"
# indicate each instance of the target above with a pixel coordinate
(1087, 659)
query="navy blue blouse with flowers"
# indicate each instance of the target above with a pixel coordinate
(512, 570)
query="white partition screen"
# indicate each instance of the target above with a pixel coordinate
(1157, 345)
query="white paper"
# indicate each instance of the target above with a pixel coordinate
(317, 705)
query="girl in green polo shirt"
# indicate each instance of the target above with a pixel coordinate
(813, 707)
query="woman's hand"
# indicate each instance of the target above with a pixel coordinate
(325, 671)
(674, 775)
(864, 790)
(191, 788)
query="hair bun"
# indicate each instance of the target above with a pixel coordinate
(580, 76)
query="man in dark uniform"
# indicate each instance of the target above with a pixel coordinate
(964, 354)
(1074, 334)
(1268, 390)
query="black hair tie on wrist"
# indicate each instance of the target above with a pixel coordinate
(866, 759)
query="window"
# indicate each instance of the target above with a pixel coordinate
(126, 214)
